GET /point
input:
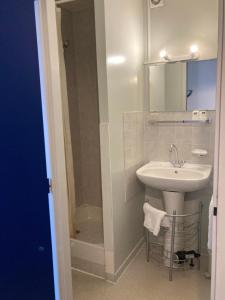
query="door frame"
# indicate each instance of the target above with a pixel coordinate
(51, 94)
(218, 258)
(49, 61)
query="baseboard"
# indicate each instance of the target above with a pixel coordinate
(113, 278)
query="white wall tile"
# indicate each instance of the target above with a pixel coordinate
(158, 137)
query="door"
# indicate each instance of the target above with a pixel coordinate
(26, 269)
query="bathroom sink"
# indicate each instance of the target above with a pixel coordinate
(165, 177)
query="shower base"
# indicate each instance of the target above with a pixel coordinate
(87, 250)
(89, 225)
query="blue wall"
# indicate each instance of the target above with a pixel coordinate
(201, 79)
(25, 245)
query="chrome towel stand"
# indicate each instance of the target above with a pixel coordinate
(174, 217)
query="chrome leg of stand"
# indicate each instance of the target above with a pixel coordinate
(147, 245)
(200, 234)
(172, 245)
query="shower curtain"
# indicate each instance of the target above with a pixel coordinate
(67, 135)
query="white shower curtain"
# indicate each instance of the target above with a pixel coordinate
(67, 136)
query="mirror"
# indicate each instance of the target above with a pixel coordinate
(183, 86)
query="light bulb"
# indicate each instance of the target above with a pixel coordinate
(194, 50)
(163, 53)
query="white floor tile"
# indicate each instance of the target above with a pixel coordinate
(143, 281)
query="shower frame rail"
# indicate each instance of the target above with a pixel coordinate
(174, 217)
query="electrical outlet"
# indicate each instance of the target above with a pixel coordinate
(156, 3)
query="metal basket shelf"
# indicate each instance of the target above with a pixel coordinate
(189, 226)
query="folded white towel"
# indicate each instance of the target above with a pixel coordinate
(210, 230)
(154, 218)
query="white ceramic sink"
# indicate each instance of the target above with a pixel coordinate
(163, 176)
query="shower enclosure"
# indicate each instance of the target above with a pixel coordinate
(76, 30)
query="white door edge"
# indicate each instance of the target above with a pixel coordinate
(45, 15)
(218, 259)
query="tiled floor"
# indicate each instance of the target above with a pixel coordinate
(143, 281)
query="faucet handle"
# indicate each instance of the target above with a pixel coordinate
(182, 162)
(171, 147)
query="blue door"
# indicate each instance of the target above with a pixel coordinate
(26, 271)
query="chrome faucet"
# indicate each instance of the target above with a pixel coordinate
(177, 163)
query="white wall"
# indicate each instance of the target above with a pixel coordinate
(179, 24)
(124, 48)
